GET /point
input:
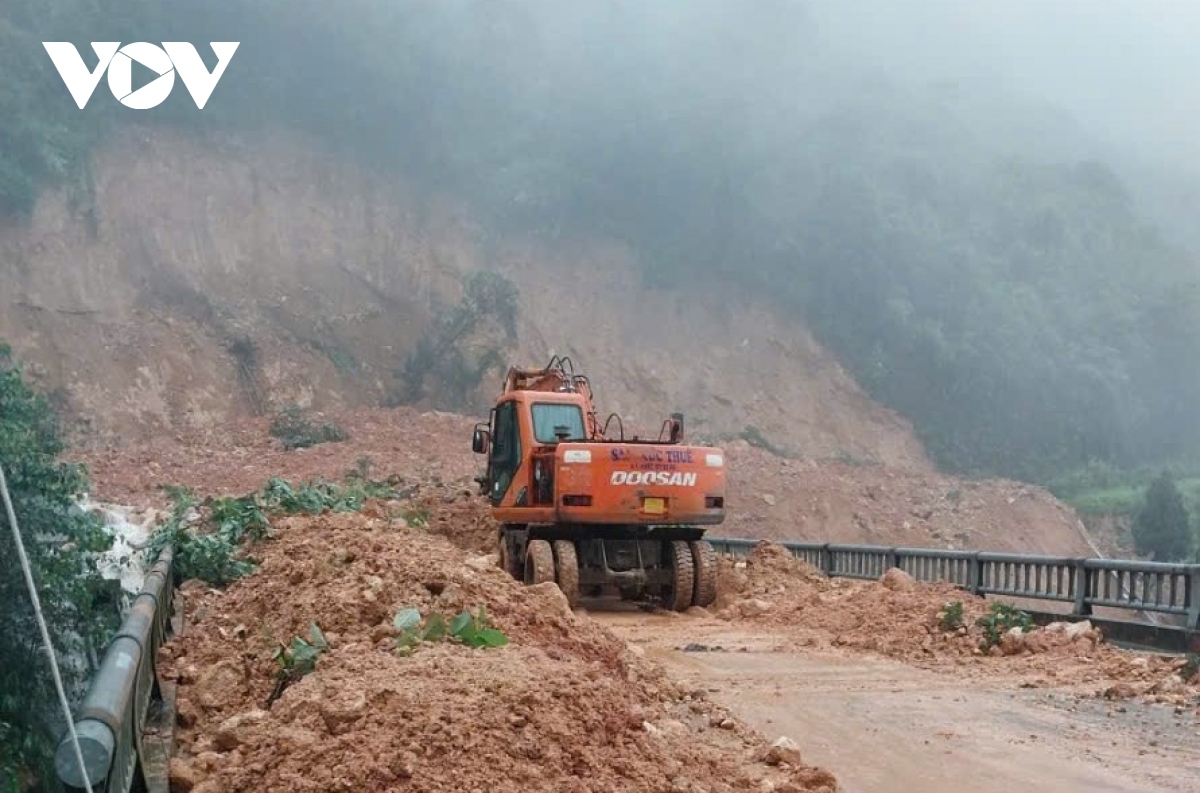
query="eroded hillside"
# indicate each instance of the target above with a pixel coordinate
(198, 281)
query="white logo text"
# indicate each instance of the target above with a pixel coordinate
(165, 61)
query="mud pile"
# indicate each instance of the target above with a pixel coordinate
(914, 622)
(401, 444)
(564, 706)
(837, 501)
(769, 496)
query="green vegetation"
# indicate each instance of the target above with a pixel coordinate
(463, 345)
(61, 541)
(950, 618)
(296, 431)
(210, 540)
(999, 620)
(296, 660)
(1162, 528)
(469, 628)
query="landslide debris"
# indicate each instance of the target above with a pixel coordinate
(769, 496)
(937, 625)
(564, 706)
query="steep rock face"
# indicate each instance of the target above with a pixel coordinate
(199, 280)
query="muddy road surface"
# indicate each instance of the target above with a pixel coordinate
(889, 727)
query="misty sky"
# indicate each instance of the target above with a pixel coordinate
(1127, 70)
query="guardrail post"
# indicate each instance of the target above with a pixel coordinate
(975, 577)
(1082, 607)
(893, 559)
(1193, 599)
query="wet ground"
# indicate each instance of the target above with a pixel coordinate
(887, 727)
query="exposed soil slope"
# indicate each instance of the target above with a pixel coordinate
(564, 707)
(769, 496)
(202, 280)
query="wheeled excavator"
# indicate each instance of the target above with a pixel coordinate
(600, 514)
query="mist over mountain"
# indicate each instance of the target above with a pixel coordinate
(982, 210)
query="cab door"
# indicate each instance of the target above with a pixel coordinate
(506, 450)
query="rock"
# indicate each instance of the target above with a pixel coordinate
(181, 776)
(340, 709)
(233, 731)
(1013, 641)
(1078, 630)
(219, 685)
(768, 499)
(753, 607)
(727, 724)
(897, 580)
(1120, 691)
(783, 751)
(1172, 684)
(483, 564)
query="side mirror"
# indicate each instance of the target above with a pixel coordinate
(481, 441)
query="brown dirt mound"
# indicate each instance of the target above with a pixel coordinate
(902, 619)
(565, 707)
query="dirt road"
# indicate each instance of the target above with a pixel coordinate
(885, 727)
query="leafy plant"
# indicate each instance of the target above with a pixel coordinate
(62, 542)
(238, 518)
(212, 556)
(474, 630)
(470, 629)
(999, 620)
(950, 618)
(297, 660)
(297, 431)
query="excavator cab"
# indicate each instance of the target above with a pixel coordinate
(593, 510)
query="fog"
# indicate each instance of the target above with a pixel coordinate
(984, 209)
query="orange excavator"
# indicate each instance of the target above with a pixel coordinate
(600, 514)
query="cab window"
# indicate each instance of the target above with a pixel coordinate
(547, 417)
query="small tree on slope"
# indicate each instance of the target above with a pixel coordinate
(1161, 528)
(61, 541)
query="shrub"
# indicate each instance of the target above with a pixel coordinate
(1162, 528)
(62, 542)
(950, 618)
(296, 431)
(999, 620)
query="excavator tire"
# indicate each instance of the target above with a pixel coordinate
(567, 570)
(704, 559)
(679, 598)
(514, 567)
(539, 562)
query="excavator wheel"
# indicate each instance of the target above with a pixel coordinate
(704, 559)
(507, 563)
(567, 570)
(539, 562)
(679, 597)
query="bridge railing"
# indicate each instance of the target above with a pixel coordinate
(112, 717)
(1085, 583)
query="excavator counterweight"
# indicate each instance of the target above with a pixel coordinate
(600, 514)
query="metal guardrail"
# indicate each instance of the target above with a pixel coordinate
(1085, 583)
(112, 717)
